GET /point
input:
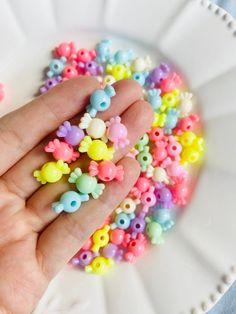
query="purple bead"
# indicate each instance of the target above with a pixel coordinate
(157, 74)
(110, 250)
(137, 226)
(72, 133)
(50, 83)
(85, 258)
(93, 68)
(164, 197)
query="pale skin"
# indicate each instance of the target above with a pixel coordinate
(36, 243)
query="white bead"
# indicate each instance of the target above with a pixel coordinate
(108, 80)
(96, 128)
(141, 64)
(160, 175)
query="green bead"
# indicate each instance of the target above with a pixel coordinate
(144, 158)
(86, 184)
(142, 142)
(154, 231)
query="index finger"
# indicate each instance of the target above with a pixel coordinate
(25, 127)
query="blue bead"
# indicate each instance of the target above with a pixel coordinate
(100, 100)
(103, 50)
(171, 120)
(139, 77)
(164, 217)
(122, 57)
(69, 202)
(154, 98)
(122, 221)
(56, 67)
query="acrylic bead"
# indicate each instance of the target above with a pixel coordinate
(122, 57)
(164, 197)
(87, 245)
(110, 250)
(158, 174)
(103, 50)
(128, 205)
(69, 72)
(72, 134)
(108, 80)
(144, 140)
(85, 55)
(174, 148)
(117, 236)
(144, 158)
(52, 172)
(85, 183)
(139, 77)
(100, 265)
(56, 67)
(156, 134)
(118, 71)
(69, 202)
(165, 218)
(96, 149)
(140, 64)
(135, 248)
(96, 128)
(50, 83)
(100, 100)
(106, 171)
(148, 199)
(170, 100)
(141, 186)
(187, 123)
(100, 238)
(159, 152)
(91, 68)
(122, 221)
(137, 226)
(154, 98)
(157, 75)
(171, 120)
(181, 193)
(85, 258)
(189, 155)
(61, 150)
(66, 50)
(154, 231)
(186, 103)
(117, 132)
(170, 83)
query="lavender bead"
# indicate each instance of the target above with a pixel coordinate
(137, 226)
(72, 134)
(157, 74)
(85, 258)
(110, 250)
(164, 197)
(50, 83)
(93, 68)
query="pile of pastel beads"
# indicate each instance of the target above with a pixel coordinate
(165, 153)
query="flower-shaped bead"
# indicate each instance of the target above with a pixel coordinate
(61, 150)
(117, 132)
(56, 67)
(128, 205)
(154, 98)
(154, 231)
(69, 202)
(85, 183)
(106, 170)
(96, 149)
(72, 134)
(100, 100)
(52, 171)
(100, 238)
(96, 128)
(118, 71)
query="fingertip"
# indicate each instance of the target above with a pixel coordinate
(129, 85)
(131, 168)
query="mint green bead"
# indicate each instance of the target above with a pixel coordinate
(154, 231)
(86, 184)
(142, 142)
(144, 158)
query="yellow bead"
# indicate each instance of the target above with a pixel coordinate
(96, 149)
(100, 238)
(198, 144)
(187, 138)
(99, 265)
(170, 100)
(52, 171)
(108, 80)
(118, 71)
(159, 120)
(189, 155)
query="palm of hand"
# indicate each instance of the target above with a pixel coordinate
(35, 243)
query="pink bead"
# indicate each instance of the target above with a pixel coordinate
(69, 72)
(87, 245)
(85, 55)
(148, 199)
(181, 193)
(117, 236)
(61, 151)
(174, 169)
(187, 123)
(159, 153)
(106, 170)
(174, 148)
(2, 94)
(170, 83)
(156, 134)
(135, 248)
(117, 132)
(141, 186)
(66, 50)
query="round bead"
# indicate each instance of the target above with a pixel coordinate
(108, 80)
(187, 138)
(138, 224)
(63, 152)
(86, 184)
(136, 247)
(156, 134)
(97, 150)
(96, 128)
(69, 72)
(117, 236)
(128, 205)
(142, 184)
(50, 172)
(74, 136)
(85, 258)
(107, 170)
(71, 201)
(122, 221)
(110, 250)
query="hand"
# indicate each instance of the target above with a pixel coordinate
(35, 243)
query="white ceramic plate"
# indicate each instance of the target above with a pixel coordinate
(199, 38)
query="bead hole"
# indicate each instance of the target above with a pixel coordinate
(138, 226)
(149, 199)
(73, 203)
(122, 221)
(103, 104)
(144, 158)
(84, 256)
(127, 206)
